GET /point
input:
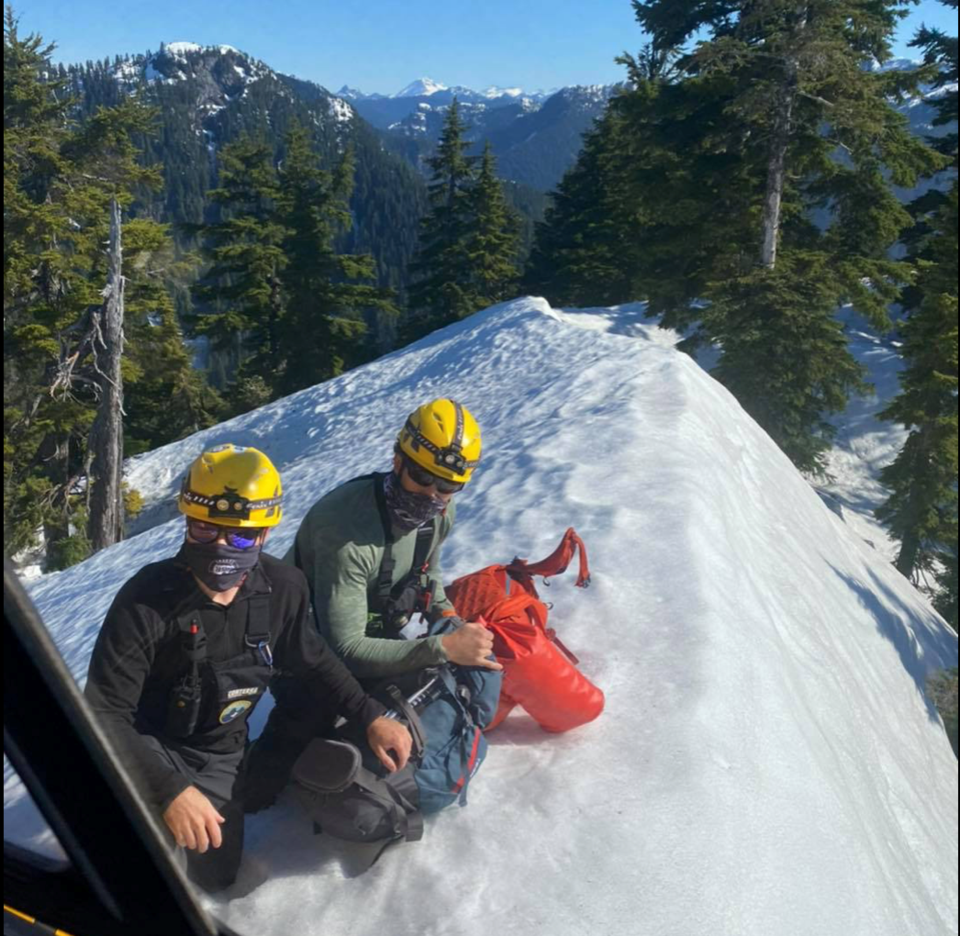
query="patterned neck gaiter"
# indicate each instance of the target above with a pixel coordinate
(408, 510)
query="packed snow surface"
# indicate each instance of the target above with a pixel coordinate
(768, 761)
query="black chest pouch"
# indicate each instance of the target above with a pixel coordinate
(212, 693)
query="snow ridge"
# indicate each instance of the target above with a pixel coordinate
(768, 761)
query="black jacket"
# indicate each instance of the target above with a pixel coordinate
(138, 658)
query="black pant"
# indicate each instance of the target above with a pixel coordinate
(298, 715)
(216, 776)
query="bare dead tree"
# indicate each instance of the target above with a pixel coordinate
(105, 460)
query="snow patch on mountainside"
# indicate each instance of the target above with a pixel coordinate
(340, 110)
(181, 49)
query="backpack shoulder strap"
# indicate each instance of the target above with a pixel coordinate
(257, 636)
(387, 562)
(423, 550)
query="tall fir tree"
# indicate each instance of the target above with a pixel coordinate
(327, 292)
(939, 54)
(922, 508)
(940, 51)
(60, 176)
(441, 290)
(582, 249)
(44, 294)
(749, 185)
(810, 126)
(166, 397)
(241, 293)
(494, 242)
(282, 299)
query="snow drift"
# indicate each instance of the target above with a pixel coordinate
(768, 761)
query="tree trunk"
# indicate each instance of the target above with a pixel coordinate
(919, 501)
(779, 143)
(106, 434)
(909, 550)
(776, 174)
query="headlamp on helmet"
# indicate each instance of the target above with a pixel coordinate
(232, 485)
(444, 438)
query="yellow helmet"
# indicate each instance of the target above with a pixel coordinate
(442, 437)
(232, 486)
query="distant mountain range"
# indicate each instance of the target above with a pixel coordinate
(535, 136)
(209, 95)
(427, 87)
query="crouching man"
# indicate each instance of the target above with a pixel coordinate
(189, 647)
(371, 552)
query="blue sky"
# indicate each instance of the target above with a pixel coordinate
(382, 45)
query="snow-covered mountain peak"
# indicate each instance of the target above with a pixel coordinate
(355, 94)
(221, 75)
(222, 65)
(179, 48)
(422, 87)
(896, 64)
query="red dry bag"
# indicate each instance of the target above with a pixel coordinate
(539, 673)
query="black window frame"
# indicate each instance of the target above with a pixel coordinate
(122, 878)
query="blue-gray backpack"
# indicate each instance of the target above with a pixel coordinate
(350, 795)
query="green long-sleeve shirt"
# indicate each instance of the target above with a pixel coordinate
(340, 545)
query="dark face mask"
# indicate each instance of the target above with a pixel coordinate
(409, 510)
(218, 565)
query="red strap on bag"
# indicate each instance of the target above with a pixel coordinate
(555, 564)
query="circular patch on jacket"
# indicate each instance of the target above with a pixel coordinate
(234, 710)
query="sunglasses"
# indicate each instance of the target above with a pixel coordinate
(237, 537)
(423, 478)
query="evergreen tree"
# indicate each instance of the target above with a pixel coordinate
(942, 687)
(940, 51)
(323, 326)
(789, 85)
(922, 509)
(707, 175)
(940, 54)
(284, 301)
(945, 600)
(166, 397)
(59, 179)
(243, 285)
(53, 228)
(493, 244)
(441, 291)
(581, 254)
